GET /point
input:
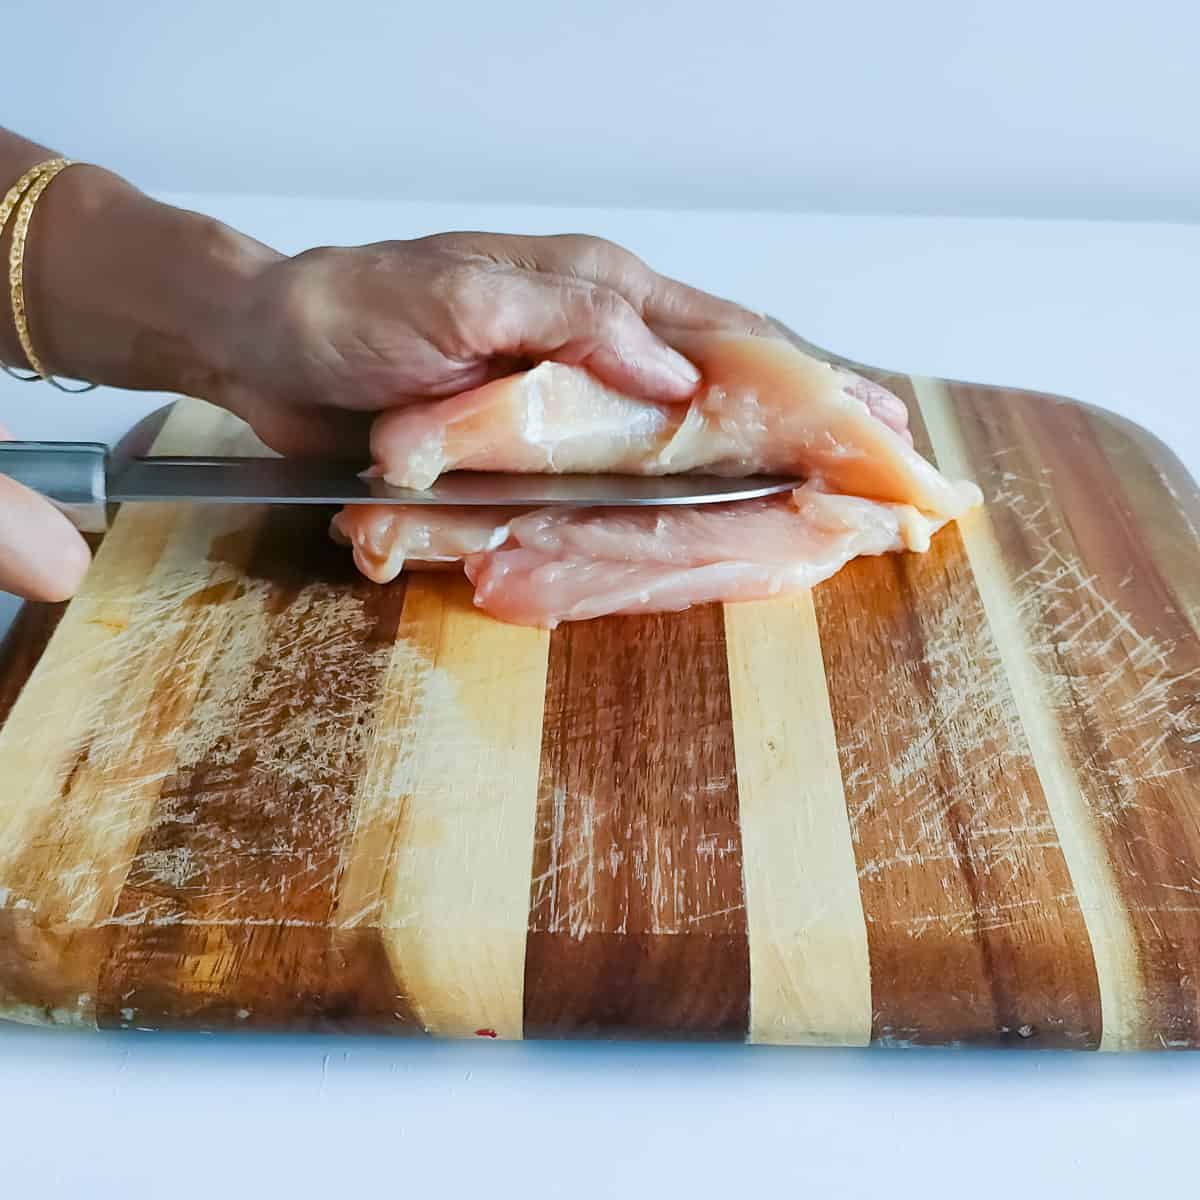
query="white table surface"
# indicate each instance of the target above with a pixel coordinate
(1107, 313)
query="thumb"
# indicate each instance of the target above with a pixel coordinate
(577, 321)
(42, 556)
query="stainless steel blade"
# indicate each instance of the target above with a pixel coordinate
(309, 481)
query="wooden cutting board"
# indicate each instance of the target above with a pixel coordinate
(951, 797)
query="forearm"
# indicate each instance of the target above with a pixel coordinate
(121, 289)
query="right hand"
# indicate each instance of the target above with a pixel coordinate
(42, 555)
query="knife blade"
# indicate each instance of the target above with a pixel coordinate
(300, 481)
(82, 481)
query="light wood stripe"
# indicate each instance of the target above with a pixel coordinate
(1108, 922)
(449, 791)
(810, 981)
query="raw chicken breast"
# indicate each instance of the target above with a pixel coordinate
(763, 407)
(385, 537)
(552, 565)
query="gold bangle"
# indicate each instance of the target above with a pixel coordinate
(23, 196)
(16, 261)
(18, 189)
(11, 199)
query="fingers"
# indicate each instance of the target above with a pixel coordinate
(538, 315)
(672, 305)
(42, 555)
(589, 301)
(659, 300)
(883, 405)
(610, 338)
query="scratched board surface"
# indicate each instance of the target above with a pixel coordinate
(946, 798)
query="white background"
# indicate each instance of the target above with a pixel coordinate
(1017, 110)
(1076, 108)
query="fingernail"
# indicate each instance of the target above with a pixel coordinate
(679, 366)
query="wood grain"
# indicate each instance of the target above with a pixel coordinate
(1000, 589)
(81, 749)
(810, 978)
(1116, 663)
(439, 858)
(226, 912)
(22, 648)
(947, 798)
(637, 920)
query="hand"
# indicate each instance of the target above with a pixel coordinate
(42, 557)
(127, 291)
(319, 342)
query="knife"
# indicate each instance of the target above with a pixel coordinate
(83, 480)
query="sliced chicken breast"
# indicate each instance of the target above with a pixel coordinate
(763, 407)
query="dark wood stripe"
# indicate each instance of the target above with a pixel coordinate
(1163, 499)
(226, 916)
(27, 639)
(47, 973)
(637, 921)
(23, 646)
(1125, 662)
(974, 933)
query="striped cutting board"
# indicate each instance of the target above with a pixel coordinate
(947, 798)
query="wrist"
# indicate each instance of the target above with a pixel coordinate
(216, 270)
(127, 291)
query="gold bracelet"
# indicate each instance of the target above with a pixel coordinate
(23, 196)
(11, 199)
(18, 189)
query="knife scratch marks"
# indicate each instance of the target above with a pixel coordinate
(953, 690)
(1102, 672)
(584, 843)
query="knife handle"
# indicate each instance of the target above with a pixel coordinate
(71, 475)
